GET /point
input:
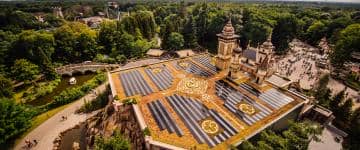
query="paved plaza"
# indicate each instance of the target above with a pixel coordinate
(299, 65)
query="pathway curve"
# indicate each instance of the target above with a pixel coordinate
(49, 130)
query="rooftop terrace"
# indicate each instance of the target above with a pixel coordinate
(188, 103)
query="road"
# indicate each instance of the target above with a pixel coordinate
(50, 129)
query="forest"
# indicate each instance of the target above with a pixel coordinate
(30, 48)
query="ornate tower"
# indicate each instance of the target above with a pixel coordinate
(264, 58)
(227, 42)
(235, 63)
(265, 50)
(262, 70)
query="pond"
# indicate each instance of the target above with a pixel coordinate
(80, 79)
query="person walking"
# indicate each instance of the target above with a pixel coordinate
(35, 142)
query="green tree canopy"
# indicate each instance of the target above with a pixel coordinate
(14, 119)
(75, 42)
(296, 137)
(23, 70)
(6, 87)
(284, 31)
(176, 41)
(349, 41)
(35, 46)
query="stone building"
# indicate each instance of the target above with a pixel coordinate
(227, 42)
(253, 60)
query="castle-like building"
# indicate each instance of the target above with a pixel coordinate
(231, 57)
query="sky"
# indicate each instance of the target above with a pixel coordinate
(352, 1)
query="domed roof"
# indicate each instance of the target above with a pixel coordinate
(267, 43)
(228, 29)
(237, 50)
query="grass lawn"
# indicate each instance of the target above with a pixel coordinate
(38, 120)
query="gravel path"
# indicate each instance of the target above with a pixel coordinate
(49, 130)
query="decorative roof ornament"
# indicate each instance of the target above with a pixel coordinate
(268, 44)
(228, 29)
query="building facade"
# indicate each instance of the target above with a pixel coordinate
(254, 60)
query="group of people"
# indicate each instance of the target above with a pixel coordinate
(30, 144)
(299, 60)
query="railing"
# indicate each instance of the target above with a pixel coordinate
(87, 65)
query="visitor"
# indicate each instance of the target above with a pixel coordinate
(35, 142)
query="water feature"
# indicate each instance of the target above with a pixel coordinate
(74, 135)
(80, 79)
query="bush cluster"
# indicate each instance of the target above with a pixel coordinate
(96, 104)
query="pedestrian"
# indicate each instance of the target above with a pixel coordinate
(35, 142)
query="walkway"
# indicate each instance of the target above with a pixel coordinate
(49, 130)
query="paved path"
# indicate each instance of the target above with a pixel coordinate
(49, 130)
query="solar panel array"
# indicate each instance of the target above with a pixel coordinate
(192, 112)
(233, 98)
(163, 79)
(206, 61)
(194, 69)
(249, 89)
(163, 118)
(134, 83)
(275, 99)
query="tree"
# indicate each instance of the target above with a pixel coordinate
(246, 145)
(6, 40)
(189, 33)
(116, 142)
(106, 36)
(176, 41)
(6, 87)
(323, 93)
(34, 46)
(349, 41)
(75, 42)
(146, 23)
(14, 119)
(344, 114)
(284, 31)
(124, 43)
(353, 140)
(315, 32)
(23, 70)
(296, 137)
(256, 32)
(336, 101)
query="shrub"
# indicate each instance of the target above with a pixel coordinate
(117, 141)
(147, 132)
(100, 102)
(130, 101)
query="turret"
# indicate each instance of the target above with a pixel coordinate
(227, 42)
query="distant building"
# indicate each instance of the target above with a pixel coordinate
(57, 12)
(92, 22)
